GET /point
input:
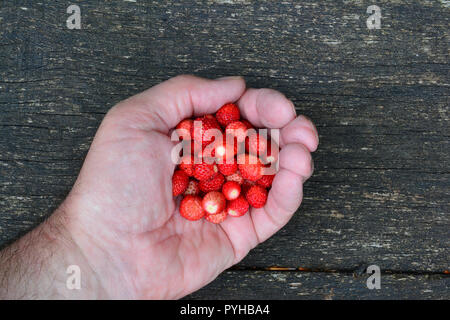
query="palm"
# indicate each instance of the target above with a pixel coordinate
(125, 187)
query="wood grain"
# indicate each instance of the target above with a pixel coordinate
(234, 285)
(380, 99)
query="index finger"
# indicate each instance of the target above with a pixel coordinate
(163, 106)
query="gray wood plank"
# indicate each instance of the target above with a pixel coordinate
(380, 99)
(234, 285)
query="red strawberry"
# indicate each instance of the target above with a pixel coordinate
(246, 185)
(256, 196)
(214, 202)
(228, 168)
(216, 218)
(208, 154)
(204, 171)
(191, 147)
(192, 188)
(238, 130)
(180, 182)
(184, 129)
(266, 181)
(224, 150)
(231, 190)
(210, 117)
(256, 144)
(237, 177)
(227, 114)
(270, 155)
(247, 124)
(237, 207)
(203, 129)
(187, 165)
(212, 184)
(250, 167)
(191, 208)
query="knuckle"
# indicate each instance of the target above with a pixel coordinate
(183, 78)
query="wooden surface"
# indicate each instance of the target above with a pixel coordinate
(380, 99)
(275, 285)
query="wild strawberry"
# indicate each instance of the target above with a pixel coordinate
(204, 171)
(256, 144)
(237, 177)
(246, 185)
(238, 130)
(210, 117)
(227, 114)
(184, 129)
(224, 150)
(212, 184)
(237, 207)
(187, 165)
(271, 154)
(180, 182)
(256, 196)
(191, 147)
(250, 167)
(247, 124)
(227, 168)
(231, 190)
(192, 188)
(203, 129)
(208, 154)
(266, 181)
(191, 208)
(216, 218)
(214, 202)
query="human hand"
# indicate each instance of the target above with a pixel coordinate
(121, 214)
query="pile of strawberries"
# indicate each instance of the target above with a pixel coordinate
(217, 178)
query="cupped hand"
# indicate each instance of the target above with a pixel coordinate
(121, 213)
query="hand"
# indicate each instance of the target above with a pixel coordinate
(121, 215)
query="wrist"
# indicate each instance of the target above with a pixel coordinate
(74, 275)
(47, 264)
(100, 249)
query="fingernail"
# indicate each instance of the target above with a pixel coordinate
(293, 108)
(312, 124)
(306, 117)
(304, 179)
(229, 78)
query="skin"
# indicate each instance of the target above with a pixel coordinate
(120, 224)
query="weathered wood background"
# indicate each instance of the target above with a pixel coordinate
(380, 99)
